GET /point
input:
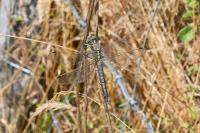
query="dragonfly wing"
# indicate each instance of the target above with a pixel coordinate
(71, 77)
(121, 56)
(68, 60)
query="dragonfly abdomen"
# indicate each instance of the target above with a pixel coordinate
(102, 81)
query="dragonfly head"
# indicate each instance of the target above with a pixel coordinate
(92, 39)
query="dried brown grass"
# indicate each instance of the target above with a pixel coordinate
(167, 82)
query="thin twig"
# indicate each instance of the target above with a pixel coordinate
(134, 105)
(132, 131)
(80, 59)
(81, 22)
(144, 42)
(16, 66)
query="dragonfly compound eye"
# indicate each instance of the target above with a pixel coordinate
(91, 39)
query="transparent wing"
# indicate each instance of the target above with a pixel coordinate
(67, 61)
(71, 76)
(122, 55)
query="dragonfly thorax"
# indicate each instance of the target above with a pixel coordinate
(93, 43)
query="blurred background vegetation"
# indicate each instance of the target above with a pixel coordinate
(39, 40)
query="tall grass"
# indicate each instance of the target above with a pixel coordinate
(168, 83)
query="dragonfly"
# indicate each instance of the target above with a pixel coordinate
(93, 43)
(118, 55)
